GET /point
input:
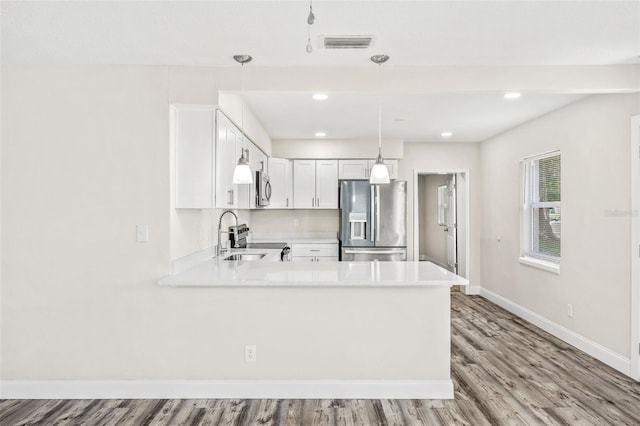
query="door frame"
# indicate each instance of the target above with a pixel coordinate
(467, 221)
(634, 214)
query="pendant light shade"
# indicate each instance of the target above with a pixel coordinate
(379, 171)
(242, 173)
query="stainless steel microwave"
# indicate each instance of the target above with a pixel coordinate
(263, 189)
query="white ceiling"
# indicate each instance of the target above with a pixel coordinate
(413, 33)
(413, 118)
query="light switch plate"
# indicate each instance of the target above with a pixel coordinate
(250, 353)
(142, 233)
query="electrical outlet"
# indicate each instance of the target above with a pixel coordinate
(250, 354)
(296, 223)
(570, 310)
(142, 233)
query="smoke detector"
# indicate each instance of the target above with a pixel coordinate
(346, 41)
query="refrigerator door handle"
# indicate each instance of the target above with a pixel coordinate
(372, 212)
(377, 213)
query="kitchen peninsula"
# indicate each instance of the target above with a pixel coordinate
(327, 329)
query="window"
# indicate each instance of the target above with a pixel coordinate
(443, 200)
(541, 211)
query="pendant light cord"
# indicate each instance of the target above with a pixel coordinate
(380, 114)
(242, 106)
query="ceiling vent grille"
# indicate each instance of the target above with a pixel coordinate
(346, 42)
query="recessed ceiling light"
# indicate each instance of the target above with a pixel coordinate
(320, 134)
(446, 134)
(512, 95)
(320, 96)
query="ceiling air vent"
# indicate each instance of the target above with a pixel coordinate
(346, 42)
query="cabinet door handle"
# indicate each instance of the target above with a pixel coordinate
(230, 196)
(287, 202)
(313, 202)
(314, 250)
(318, 202)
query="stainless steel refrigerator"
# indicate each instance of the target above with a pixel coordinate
(373, 221)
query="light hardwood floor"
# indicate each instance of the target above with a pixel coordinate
(505, 371)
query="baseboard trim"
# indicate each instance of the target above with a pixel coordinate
(226, 389)
(472, 290)
(596, 350)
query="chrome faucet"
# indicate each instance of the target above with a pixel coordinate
(220, 251)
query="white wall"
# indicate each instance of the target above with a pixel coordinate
(439, 156)
(593, 137)
(85, 158)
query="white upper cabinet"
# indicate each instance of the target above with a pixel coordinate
(280, 177)
(327, 184)
(192, 131)
(353, 169)
(315, 184)
(228, 150)
(361, 169)
(304, 184)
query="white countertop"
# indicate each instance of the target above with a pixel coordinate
(269, 272)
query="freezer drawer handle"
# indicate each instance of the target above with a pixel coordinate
(371, 252)
(373, 221)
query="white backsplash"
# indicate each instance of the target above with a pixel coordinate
(295, 221)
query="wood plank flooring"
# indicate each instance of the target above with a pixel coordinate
(505, 371)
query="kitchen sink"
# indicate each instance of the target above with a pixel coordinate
(245, 256)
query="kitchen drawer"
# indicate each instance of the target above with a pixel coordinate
(314, 258)
(314, 250)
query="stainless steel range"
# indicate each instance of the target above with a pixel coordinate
(240, 233)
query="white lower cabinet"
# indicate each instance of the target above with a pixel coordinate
(308, 252)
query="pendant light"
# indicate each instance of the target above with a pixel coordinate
(242, 173)
(311, 19)
(379, 171)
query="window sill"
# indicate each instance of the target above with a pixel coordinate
(540, 264)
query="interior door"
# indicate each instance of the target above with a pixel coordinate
(452, 225)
